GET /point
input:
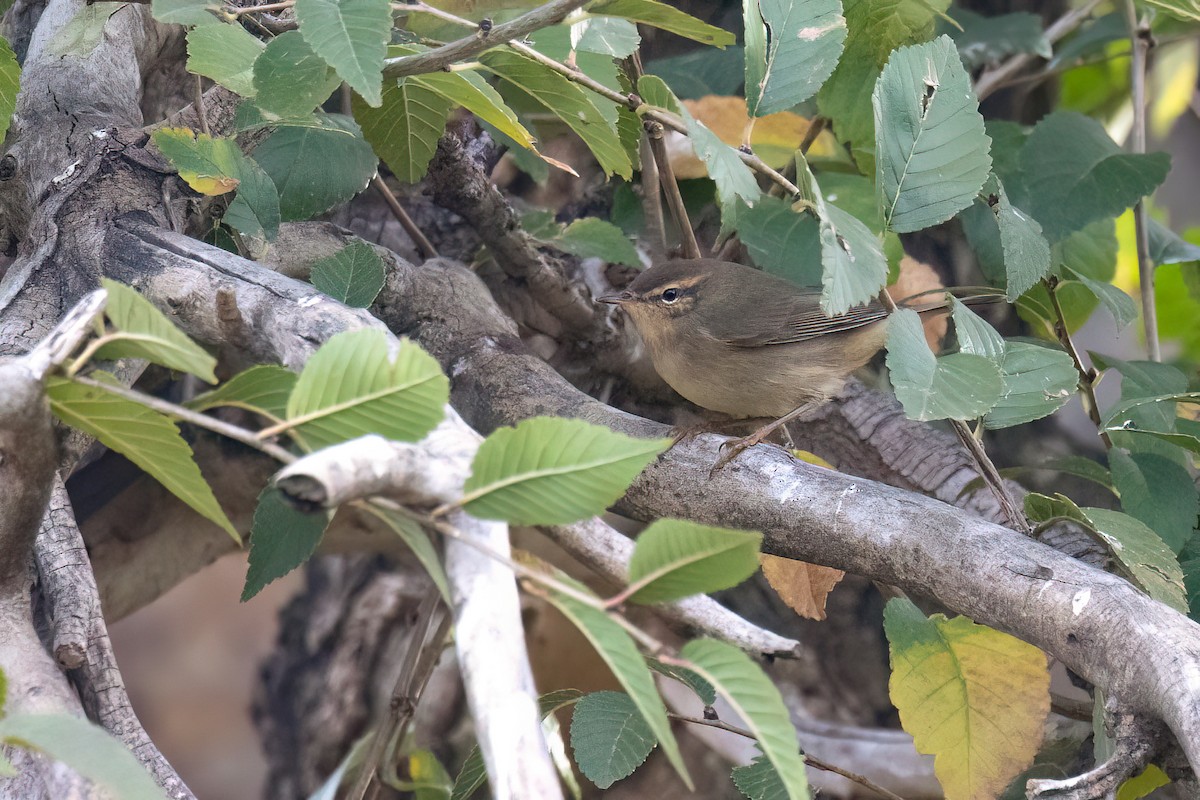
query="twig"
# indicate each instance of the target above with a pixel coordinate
(815, 126)
(656, 231)
(1087, 377)
(991, 80)
(213, 424)
(424, 246)
(670, 187)
(239, 11)
(811, 760)
(415, 670)
(991, 476)
(1139, 34)
(199, 101)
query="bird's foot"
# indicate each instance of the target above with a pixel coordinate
(733, 448)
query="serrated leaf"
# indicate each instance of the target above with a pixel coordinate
(1157, 491)
(957, 386)
(854, 268)
(931, 152)
(675, 558)
(1141, 554)
(756, 700)
(592, 237)
(353, 386)
(263, 389)
(609, 36)
(85, 748)
(255, 208)
(551, 471)
(144, 332)
(209, 165)
(186, 12)
(974, 698)
(989, 40)
(759, 780)
(1037, 382)
(1024, 252)
(609, 737)
(974, 333)
(290, 80)
(282, 537)
(353, 275)
(803, 49)
(1074, 174)
(226, 54)
(734, 179)
(145, 437)
(352, 37)
(1122, 307)
(406, 127)
(10, 84)
(567, 102)
(469, 90)
(703, 689)
(1092, 252)
(316, 167)
(701, 72)
(665, 17)
(618, 651)
(781, 240)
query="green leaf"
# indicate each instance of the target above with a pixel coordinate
(209, 165)
(85, 748)
(759, 780)
(618, 651)
(592, 237)
(1157, 491)
(353, 386)
(551, 471)
(1122, 307)
(469, 90)
(734, 179)
(1143, 557)
(406, 128)
(610, 737)
(608, 36)
(1037, 382)
(782, 241)
(186, 12)
(255, 208)
(144, 332)
(1080, 467)
(1026, 252)
(352, 37)
(263, 389)
(1074, 174)
(654, 91)
(413, 535)
(674, 558)
(854, 266)
(226, 54)
(10, 84)
(989, 40)
(567, 102)
(756, 700)
(1091, 252)
(805, 43)
(1166, 247)
(974, 334)
(316, 168)
(80, 36)
(145, 437)
(290, 80)
(703, 689)
(931, 152)
(700, 72)
(1186, 10)
(668, 18)
(1180, 440)
(353, 275)
(282, 537)
(974, 698)
(957, 386)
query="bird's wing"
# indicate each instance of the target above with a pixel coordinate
(782, 318)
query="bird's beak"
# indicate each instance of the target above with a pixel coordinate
(615, 299)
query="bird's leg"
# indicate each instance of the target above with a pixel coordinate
(734, 448)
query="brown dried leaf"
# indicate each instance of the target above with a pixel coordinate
(803, 586)
(916, 277)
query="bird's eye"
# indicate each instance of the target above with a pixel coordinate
(670, 295)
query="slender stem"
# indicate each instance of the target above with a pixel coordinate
(991, 476)
(815, 126)
(237, 12)
(92, 347)
(424, 246)
(670, 187)
(1087, 377)
(1139, 34)
(811, 760)
(199, 102)
(193, 418)
(993, 79)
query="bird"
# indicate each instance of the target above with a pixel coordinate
(746, 343)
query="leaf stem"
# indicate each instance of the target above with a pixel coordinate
(811, 760)
(1087, 377)
(1141, 41)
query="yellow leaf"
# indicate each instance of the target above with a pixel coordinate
(1141, 785)
(211, 185)
(775, 137)
(804, 587)
(812, 458)
(974, 698)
